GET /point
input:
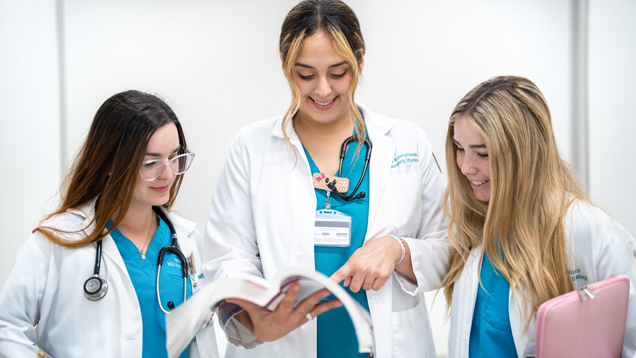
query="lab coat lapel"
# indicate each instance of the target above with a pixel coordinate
(293, 139)
(303, 207)
(379, 168)
(472, 263)
(110, 250)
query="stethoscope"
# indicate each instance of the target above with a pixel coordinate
(95, 287)
(343, 152)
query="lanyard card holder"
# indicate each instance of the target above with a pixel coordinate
(332, 228)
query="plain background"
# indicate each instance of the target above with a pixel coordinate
(217, 64)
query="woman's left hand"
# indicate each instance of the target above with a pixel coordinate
(371, 265)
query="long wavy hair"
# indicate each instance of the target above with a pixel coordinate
(107, 167)
(521, 228)
(336, 19)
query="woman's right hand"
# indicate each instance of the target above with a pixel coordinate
(269, 325)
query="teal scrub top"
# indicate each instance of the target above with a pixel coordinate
(143, 274)
(490, 333)
(336, 335)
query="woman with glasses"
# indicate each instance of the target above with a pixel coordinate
(86, 283)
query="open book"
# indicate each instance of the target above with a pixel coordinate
(185, 321)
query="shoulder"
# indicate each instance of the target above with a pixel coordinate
(392, 127)
(589, 226)
(584, 217)
(259, 129)
(70, 225)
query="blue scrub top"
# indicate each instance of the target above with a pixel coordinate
(143, 274)
(336, 335)
(490, 333)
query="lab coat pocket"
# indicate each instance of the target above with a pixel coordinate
(404, 193)
(411, 336)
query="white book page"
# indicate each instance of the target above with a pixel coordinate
(185, 321)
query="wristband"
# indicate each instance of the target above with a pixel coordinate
(401, 242)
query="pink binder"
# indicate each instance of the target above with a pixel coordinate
(588, 322)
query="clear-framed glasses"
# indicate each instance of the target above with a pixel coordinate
(152, 169)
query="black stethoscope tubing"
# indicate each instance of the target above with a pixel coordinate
(174, 248)
(95, 287)
(343, 152)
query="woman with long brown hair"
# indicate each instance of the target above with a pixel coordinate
(520, 225)
(86, 283)
(273, 207)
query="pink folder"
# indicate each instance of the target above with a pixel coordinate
(588, 322)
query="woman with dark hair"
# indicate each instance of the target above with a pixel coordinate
(522, 229)
(275, 204)
(86, 283)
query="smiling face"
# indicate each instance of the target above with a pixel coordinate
(323, 79)
(472, 157)
(164, 144)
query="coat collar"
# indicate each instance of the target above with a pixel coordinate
(378, 127)
(109, 248)
(183, 228)
(381, 124)
(87, 212)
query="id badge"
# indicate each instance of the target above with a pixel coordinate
(332, 228)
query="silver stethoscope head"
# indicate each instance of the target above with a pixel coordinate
(95, 288)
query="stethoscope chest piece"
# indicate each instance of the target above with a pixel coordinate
(95, 288)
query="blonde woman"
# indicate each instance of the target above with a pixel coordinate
(262, 217)
(521, 227)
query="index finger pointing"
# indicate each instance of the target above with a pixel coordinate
(341, 274)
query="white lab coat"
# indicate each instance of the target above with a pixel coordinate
(261, 220)
(598, 248)
(45, 288)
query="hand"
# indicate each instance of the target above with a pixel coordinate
(371, 265)
(269, 325)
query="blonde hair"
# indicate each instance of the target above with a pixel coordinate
(338, 21)
(521, 228)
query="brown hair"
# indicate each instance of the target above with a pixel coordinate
(336, 19)
(107, 166)
(521, 228)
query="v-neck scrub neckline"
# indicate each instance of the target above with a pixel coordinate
(336, 335)
(143, 275)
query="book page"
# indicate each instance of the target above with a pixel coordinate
(185, 321)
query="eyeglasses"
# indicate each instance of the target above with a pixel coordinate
(152, 169)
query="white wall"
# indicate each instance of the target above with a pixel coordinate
(30, 121)
(612, 75)
(217, 64)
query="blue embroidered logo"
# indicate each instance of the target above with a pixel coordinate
(175, 262)
(404, 158)
(576, 275)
